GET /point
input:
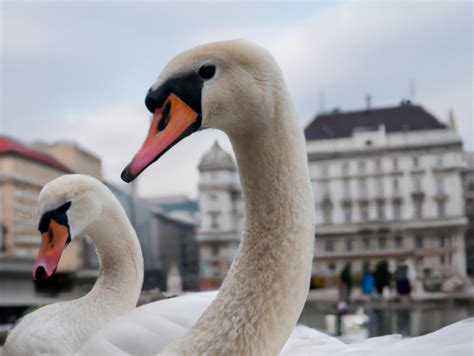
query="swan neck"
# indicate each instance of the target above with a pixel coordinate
(120, 257)
(265, 289)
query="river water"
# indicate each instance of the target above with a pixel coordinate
(406, 318)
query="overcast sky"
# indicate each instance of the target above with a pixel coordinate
(80, 71)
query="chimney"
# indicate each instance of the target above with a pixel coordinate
(368, 102)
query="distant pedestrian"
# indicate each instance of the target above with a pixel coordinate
(345, 284)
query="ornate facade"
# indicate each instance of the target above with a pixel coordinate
(387, 186)
(221, 215)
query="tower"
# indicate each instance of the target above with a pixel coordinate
(221, 215)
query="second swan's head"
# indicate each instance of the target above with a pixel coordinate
(233, 86)
(66, 206)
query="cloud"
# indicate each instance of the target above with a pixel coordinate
(80, 71)
(375, 48)
(115, 133)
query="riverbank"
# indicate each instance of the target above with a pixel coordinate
(331, 295)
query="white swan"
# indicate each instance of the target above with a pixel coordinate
(69, 206)
(237, 87)
(73, 205)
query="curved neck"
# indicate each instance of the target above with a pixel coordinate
(118, 286)
(265, 289)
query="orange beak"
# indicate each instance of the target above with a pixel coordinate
(170, 124)
(53, 243)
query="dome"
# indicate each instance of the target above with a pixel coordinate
(216, 159)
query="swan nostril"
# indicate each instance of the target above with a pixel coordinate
(40, 273)
(165, 117)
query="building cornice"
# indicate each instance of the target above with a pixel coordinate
(375, 152)
(389, 227)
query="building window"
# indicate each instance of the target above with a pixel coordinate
(329, 245)
(331, 266)
(213, 196)
(347, 213)
(416, 162)
(397, 210)
(382, 243)
(327, 211)
(378, 165)
(366, 243)
(398, 242)
(418, 208)
(363, 188)
(347, 188)
(349, 245)
(396, 186)
(214, 219)
(345, 169)
(470, 186)
(441, 259)
(380, 210)
(361, 167)
(325, 188)
(324, 169)
(439, 184)
(215, 250)
(439, 161)
(395, 163)
(442, 241)
(379, 187)
(441, 208)
(417, 184)
(419, 261)
(364, 212)
(418, 242)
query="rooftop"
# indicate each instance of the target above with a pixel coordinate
(9, 145)
(217, 159)
(406, 117)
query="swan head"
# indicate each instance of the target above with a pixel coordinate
(66, 206)
(230, 85)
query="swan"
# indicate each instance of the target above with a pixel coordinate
(70, 206)
(237, 87)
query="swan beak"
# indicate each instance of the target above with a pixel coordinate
(170, 124)
(53, 243)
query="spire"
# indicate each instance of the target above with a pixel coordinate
(452, 119)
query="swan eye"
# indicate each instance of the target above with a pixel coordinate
(207, 71)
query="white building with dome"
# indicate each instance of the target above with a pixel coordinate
(221, 215)
(387, 185)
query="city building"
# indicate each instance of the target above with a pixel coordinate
(387, 186)
(468, 182)
(174, 247)
(77, 158)
(221, 215)
(179, 207)
(167, 239)
(23, 172)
